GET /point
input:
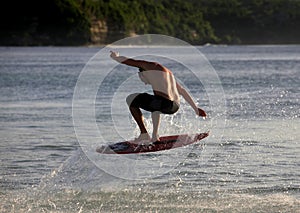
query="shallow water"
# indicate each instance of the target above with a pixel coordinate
(253, 167)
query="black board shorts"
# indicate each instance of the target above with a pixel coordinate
(154, 103)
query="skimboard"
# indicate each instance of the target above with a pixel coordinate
(166, 142)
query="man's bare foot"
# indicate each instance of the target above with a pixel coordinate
(154, 138)
(144, 138)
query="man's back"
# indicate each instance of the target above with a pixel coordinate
(163, 83)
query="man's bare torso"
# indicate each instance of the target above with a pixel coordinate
(163, 83)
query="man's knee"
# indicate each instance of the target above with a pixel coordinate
(130, 98)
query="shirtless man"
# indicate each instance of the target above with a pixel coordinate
(165, 99)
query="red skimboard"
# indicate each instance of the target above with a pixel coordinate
(166, 142)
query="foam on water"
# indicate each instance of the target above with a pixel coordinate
(79, 186)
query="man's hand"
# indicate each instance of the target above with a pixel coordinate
(114, 55)
(201, 112)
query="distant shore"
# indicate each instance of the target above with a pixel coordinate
(198, 22)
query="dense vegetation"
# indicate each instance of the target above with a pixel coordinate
(68, 22)
(43, 22)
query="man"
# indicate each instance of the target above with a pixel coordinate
(165, 99)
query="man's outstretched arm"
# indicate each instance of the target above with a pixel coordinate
(127, 61)
(145, 65)
(190, 100)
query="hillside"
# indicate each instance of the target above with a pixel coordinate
(82, 22)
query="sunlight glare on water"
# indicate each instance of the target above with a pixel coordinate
(254, 168)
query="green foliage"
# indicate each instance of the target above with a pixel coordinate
(68, 22)
(175, 18)
(254, 21)
(47, 22)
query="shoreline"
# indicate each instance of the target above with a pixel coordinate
(198, 45)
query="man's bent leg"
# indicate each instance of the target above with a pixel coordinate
(139, 119)
(155, 121)
(134, 101)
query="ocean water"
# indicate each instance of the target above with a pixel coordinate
(249, 163)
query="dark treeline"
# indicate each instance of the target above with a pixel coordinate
(70, 22)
